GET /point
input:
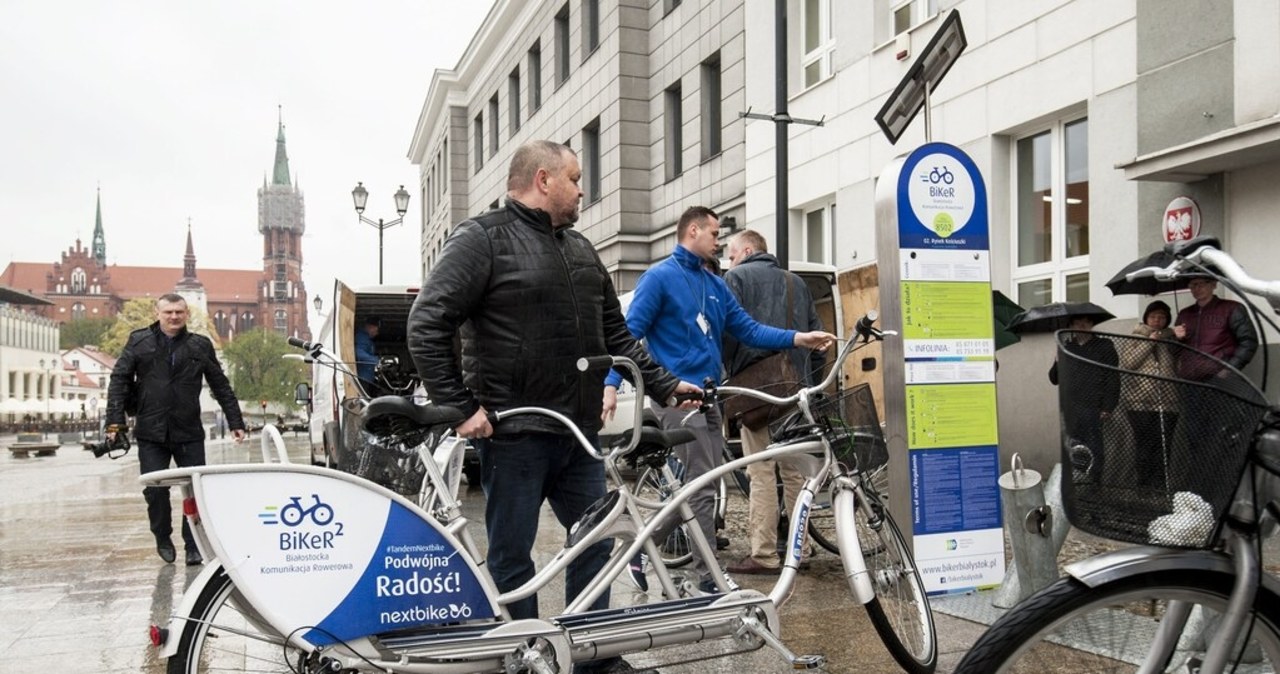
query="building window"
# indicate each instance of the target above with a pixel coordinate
(513, 99)
(908, 14)
(1051, 193)
(669, 5)
(814, 240)
(220, 323)
(712, 122)
(591, 160)
(78, 281)
(77, 311)
(493, 125)
(535, 76)
(674, 131)
(815, 23)
(282, 320)
(478, 134)
(562, 45)
(246, 321)
(590, 27)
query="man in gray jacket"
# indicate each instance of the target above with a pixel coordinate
(762, 288)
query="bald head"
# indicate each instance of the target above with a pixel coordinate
(544, 175)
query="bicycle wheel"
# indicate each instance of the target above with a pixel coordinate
(1070, 626)
(822, 521)
(900, 610)
(677, 549)
(217, 636)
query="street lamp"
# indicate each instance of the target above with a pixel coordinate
(48, 391)
(318, 304)
(361, 196)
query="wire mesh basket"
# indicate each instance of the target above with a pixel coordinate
(850, 423)
(1155, 437)
(386, 450)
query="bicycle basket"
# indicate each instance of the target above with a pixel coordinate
(388, 453)
(1155, 437)
(851, 425)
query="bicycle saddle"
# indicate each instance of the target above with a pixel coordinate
(655, 444)
(385, 409)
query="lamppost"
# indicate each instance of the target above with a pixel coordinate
(361, 196)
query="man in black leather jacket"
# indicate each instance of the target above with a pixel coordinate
(529, 296)
(163, 367)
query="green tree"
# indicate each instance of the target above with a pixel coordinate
(84, 332)
(257, 370)
(141, 312)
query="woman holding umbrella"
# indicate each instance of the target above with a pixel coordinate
(1151, 400)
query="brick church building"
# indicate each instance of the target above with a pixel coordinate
(82, 285)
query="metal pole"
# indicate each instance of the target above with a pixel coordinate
(379, 251)
(928, 115)
(781, 119)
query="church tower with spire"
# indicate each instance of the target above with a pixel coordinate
(99, 237)
(189, 287)
(281, 221)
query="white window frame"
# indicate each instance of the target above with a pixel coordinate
(920, 11)
(820, 54)
(1058, 267)
(800, 240)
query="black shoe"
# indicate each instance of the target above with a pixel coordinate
(194, 558)
(164, 548)
(722, 542)
(611, 666)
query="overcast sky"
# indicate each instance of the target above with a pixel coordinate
(171, 108)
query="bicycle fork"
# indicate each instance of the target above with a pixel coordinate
(846, 502)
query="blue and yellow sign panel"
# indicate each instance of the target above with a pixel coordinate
(949, 349)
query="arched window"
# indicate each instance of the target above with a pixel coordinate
(77, 311)
(78, 281)
(246, 321)
(220, 323)
(282, 320)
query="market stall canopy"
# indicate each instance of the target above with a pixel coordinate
(14, 296)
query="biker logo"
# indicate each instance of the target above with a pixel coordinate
(295, 514)
(941, 195)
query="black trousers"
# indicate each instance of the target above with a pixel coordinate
(154, 456)
(1153, 442)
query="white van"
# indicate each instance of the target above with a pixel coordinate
(334, 395)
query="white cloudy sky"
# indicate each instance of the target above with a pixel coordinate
(171, 108)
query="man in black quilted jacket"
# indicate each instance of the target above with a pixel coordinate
(164, 367)
(529, 296)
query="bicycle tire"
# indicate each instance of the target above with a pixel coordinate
(1103, 626)
(677, 549)
(217, 636)
(900, 610)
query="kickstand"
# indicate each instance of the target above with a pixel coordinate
(752, 626)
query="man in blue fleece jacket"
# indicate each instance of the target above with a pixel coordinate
(682, 311)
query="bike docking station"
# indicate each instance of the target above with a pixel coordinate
(1037, 528)
(933, 253)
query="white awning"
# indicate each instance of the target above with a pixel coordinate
(1238, 147)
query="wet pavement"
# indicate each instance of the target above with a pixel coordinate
(80, 581)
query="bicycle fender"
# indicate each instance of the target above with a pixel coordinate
(1136, 561)
(185, 608)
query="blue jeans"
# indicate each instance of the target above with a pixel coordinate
(519, 472)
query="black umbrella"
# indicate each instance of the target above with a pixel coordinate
(1057, 316)
(1150, 285)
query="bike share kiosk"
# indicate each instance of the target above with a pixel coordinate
(933, 245)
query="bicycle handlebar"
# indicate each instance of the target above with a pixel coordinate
(863, 328)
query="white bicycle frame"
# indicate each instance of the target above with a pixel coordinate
(354, 553)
